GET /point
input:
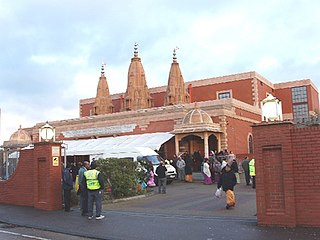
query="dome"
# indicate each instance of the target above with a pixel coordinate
(196, 116)
(20, 137)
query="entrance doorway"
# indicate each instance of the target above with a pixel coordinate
(213, 143)
(195, 147)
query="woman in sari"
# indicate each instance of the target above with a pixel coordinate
(206, 172)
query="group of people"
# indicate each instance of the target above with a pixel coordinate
(90, 189)
(221, 168)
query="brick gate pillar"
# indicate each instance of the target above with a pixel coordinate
(274, 174)
(47, 176)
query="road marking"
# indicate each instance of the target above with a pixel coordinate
(24, 235)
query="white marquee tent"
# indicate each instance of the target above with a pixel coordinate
(101, 145)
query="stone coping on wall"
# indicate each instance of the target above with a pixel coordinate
(272, 123)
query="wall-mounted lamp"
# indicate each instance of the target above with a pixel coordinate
(47, 133)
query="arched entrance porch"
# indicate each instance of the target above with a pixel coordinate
(198, 145)
(197, 133)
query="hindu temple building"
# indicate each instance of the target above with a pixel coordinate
(201, 115)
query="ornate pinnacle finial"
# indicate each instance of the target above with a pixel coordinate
(103, 67)
(174, 54)
(136, 50)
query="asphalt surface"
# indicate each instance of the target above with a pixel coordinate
(187, 211)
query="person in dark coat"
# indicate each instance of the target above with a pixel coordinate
(227, 182)
(235, 168)
(188, 161)
(245, 167)
(162, 178)
(67, 186)
(83, 189)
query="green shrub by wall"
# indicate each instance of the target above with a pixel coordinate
(124, 175)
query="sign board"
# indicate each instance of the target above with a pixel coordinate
(110, 130)
(56, 151)
(55, 161)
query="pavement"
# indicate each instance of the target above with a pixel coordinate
(186, 211)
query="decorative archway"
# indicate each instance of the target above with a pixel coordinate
(198, 123)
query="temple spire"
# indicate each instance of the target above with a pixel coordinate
(137, 95)
(176, 92)
(135, 53)
(103, 67)
(174, 54)
(103, 102)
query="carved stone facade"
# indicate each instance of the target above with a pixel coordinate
(176, 92)
(103, 102)
(137, 95)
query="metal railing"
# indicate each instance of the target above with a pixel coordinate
(8, 163)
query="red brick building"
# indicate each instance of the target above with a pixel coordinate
(203, 115)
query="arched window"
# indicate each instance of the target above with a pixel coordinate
(250, 143)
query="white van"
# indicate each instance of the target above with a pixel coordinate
(141, 153)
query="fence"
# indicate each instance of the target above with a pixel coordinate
(9, 161)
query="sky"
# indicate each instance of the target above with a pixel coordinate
(51, 51)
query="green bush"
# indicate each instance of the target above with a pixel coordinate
(123, 174)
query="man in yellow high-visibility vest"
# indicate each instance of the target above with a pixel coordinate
(94, 183)
(252, 172)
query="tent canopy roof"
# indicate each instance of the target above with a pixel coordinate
(101, 145)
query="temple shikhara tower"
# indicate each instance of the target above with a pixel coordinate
(176, 92)
(103, 102)
(137, 95)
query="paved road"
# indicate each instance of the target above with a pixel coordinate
(194, 199)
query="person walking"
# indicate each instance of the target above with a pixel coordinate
(206, 172)
(67, 186)
(181, 164)
(217, 170)
(94, 184)
(252, 172)
(162, 178)
(245, 167)
(227, 182)
(212, 158)
(82, 189)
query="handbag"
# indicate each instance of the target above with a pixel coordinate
(218, 192)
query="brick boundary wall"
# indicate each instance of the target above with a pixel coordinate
(36, 182)
(287, 174)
